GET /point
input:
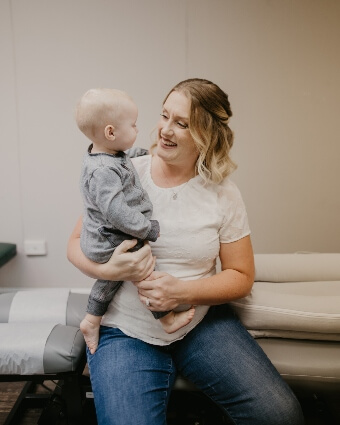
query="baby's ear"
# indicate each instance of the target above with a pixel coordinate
(109, 132)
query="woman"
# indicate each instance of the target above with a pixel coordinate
(202, 216)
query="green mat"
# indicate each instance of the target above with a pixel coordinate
(7, 251)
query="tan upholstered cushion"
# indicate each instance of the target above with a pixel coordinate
(297, 267)
(299, 297)
(312, 365)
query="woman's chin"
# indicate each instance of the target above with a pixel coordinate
(165, 150)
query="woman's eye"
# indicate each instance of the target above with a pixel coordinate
(182, 125)
(164, 116)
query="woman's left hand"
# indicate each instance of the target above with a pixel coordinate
(159, 292)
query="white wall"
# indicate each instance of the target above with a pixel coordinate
(279, 61)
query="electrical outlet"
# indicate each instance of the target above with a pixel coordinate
(35, 247)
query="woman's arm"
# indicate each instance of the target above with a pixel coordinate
(235, 281)
(122, 265)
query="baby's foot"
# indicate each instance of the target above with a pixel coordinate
(91, 334)
(176, 320)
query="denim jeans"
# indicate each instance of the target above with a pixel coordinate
(132, 380)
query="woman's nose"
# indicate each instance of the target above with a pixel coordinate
(167, 129)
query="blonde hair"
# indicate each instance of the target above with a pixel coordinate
(98, 108)
(208, 125)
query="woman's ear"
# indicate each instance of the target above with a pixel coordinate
(109, 132)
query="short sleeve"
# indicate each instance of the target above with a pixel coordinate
(235, 223)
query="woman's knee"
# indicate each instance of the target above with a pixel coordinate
(279, 408)
(236, 374)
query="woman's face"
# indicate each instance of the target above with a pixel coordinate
(175, 144)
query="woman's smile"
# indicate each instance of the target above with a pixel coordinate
(167, 143)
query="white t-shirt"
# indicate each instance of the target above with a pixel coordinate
(192, 226)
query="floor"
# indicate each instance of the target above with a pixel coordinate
(184, 409)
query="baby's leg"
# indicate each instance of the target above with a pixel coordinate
(100, 297)
(176, 320)
(90, 328)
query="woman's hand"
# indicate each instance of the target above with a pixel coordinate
(132, 266)
(165, 292)
(123, 265)
(161, 291)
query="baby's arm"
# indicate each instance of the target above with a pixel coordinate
(107, 191)
(136, 151)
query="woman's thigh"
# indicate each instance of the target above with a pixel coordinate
(224, 361)
(131, 380)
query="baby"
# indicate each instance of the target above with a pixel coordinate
(116, 207)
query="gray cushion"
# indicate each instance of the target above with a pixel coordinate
(39, 348)
(55, 305)
(40, 345)
(63, 350)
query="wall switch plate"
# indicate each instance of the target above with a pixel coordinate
(35, 247)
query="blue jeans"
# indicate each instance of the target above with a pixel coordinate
(132, 380)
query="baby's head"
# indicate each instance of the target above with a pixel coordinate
(108, 118)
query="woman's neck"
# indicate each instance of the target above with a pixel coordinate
(167, 175)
